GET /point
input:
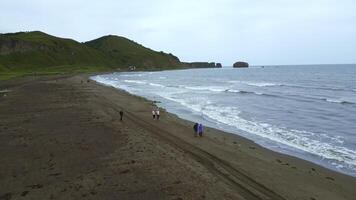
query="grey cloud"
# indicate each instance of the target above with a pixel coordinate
(261, 32)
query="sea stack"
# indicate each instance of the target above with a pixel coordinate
(218, 65)
(240, 64)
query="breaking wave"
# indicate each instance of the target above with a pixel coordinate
(302, 140)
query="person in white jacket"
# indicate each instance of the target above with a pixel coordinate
(157, 113)
(153, 114)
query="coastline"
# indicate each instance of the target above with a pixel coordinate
(140, 158)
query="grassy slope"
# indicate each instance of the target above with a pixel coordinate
(47, 51)
(39, 53)
(125, 52)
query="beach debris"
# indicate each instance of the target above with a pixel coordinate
(24, 193)
(4, 92)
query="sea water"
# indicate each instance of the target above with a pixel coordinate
(305, 111)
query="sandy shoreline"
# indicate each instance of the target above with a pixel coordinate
(61, 138)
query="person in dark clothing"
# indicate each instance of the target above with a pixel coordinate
(121, 114)
(195, 127)
(200, 130)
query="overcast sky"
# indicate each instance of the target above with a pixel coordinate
(258, 31)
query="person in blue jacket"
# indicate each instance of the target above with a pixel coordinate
(200, 130)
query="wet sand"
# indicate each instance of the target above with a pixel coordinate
(61, 138)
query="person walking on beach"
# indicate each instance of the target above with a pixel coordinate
(153, 114)
(200, 130)
(195, 127)
(121, 114)
(157, 113)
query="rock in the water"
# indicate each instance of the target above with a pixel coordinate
(240, 64)
(218, 65)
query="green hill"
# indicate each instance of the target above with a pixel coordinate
(124, 52)
(29, 52)
(36, 50)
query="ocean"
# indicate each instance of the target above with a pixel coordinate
(305, 111)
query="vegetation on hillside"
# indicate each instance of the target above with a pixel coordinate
(125, 52)
(36, 52)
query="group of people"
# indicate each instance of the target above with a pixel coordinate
(198, 129)
(155, 113)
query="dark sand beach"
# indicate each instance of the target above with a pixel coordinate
(62, 138)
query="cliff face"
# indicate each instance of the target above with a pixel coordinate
(202, 65)
(240, 64)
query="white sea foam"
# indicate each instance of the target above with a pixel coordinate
(233, 91)
(135, 81)
(256, 84)
(156, 85)
(246, 92)
(132, 75)
(340, 101)
(261, 84)
(302, 140)
(207, 88)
